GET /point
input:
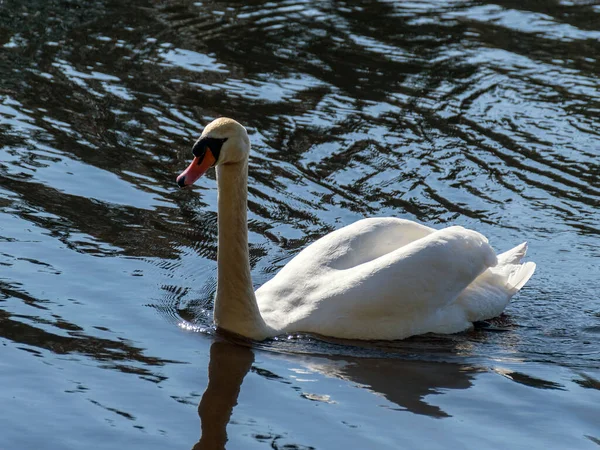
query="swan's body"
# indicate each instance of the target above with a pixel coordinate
(380, 278)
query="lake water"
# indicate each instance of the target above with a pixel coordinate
(447, 112)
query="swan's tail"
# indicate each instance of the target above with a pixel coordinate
(514, 255)
(518, 278)
(489, 294)
(517, 273)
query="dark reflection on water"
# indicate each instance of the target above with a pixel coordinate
(404, 383)
(229, 364)
(113, 354)
(483, 114)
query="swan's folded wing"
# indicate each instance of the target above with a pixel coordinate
(425, 275)
(309, 281)
(355, 244)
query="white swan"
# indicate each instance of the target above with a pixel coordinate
(379, 278)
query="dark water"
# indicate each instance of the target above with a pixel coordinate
(473, 113)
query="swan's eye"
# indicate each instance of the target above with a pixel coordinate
(214, 144)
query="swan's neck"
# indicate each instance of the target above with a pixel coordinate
(236, 309)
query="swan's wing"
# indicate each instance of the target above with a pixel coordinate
(427, 274)
(358, 243)
(304, 284)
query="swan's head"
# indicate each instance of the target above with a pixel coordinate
(223, 141)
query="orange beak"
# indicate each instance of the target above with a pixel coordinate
(196, 169)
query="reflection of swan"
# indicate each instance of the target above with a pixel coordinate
(229, 364)
(380, 278)
(403, 382)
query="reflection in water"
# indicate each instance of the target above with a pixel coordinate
(115, 354)
(528, 380)
(404, 383)
(229, 364)
(407, 384)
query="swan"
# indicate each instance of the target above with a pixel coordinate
(376, 279)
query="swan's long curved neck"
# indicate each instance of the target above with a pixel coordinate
(236, 309)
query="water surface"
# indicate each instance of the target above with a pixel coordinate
(473, 113)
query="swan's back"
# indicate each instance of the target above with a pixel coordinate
(358, 243)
